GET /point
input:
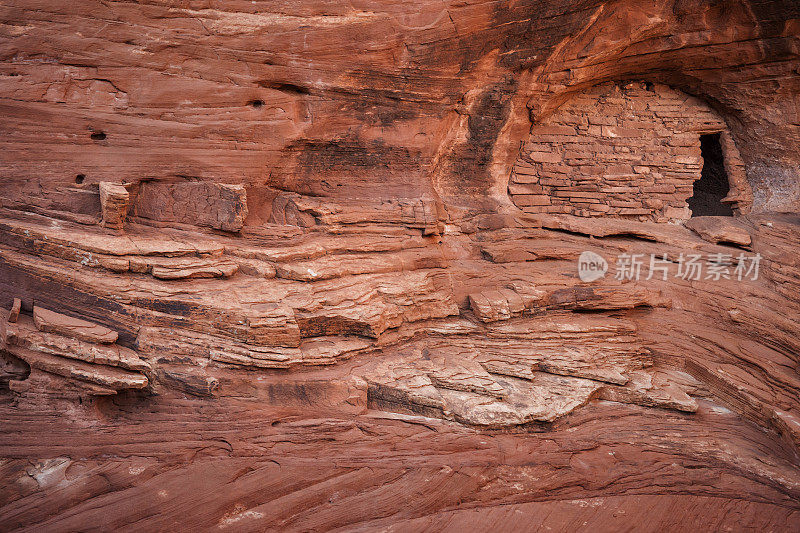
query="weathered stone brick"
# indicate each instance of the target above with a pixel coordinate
(653, 203)
(663, 188)
(634, 211)
(551, 130)
(679, 213)
(578, 194)
(537, 147)
(525, 178)
(114, 200)
(624, 203)
(602, 120)
(525, 189)
(619, 169)
(616, 131)
(545, 157)
(532, 199)
(584, 201)
(527, 170)
(534, 209)
(555, 182)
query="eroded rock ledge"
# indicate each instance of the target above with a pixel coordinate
(484, 326)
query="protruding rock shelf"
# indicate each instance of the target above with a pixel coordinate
(82, 352)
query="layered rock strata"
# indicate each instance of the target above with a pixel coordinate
(318, 266)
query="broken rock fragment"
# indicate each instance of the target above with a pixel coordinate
(14, 313)
(114, 200)
(52, 322)
(719, 230)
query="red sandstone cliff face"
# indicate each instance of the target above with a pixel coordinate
(333, 100)
(270, 265)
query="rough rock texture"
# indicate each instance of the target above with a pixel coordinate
(219, 206)
(114, 200)
(318, 305)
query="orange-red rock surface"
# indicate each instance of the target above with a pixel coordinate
(268, 266)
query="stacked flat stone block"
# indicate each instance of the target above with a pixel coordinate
(624, 150)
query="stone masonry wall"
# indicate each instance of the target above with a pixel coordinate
(630, 150)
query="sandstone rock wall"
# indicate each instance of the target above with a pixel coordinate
(260, 270)
(334, 100)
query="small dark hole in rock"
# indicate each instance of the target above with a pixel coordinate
(79, 178)
(257, 103)
(648, 85)
(98, 136)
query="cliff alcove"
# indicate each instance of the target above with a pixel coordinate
(629, 150)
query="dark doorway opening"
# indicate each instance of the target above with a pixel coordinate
(713, 184)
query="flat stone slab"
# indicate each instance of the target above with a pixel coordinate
(719, 230)
(52, 322)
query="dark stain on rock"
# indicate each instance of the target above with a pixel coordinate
(530, 33)
(166, 306)
(375, 113)
(352, 154)
(469, 162)
(286, 87)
